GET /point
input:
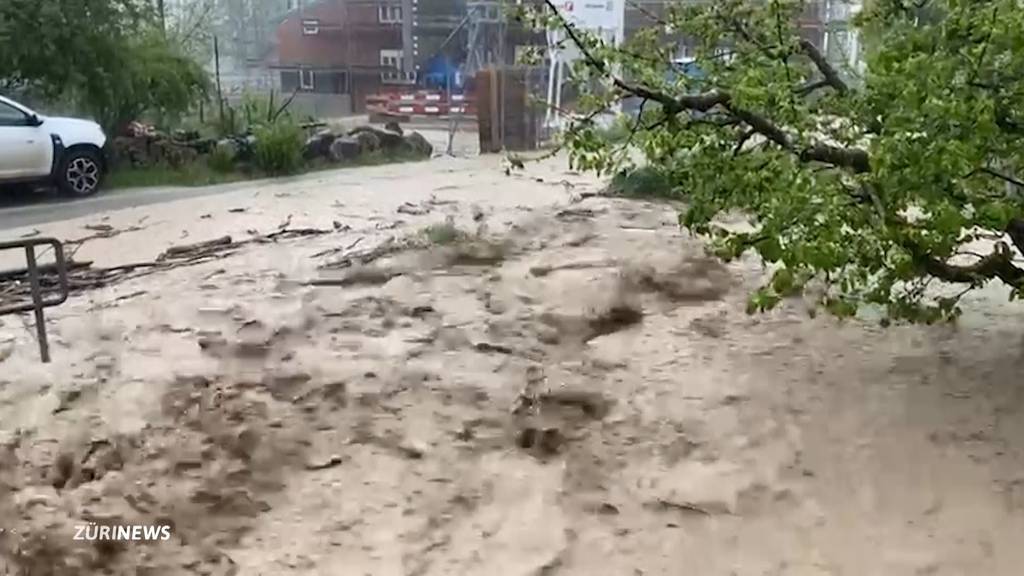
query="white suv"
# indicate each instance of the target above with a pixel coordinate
(64, 151)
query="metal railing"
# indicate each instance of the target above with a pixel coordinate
(33, 272)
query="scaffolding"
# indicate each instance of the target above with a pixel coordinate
(485, 35)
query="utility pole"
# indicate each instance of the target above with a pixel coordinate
(408, 18)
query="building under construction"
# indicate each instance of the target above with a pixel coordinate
(336, 53)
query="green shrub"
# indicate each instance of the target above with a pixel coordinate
(644, 182)
(278, 148)
(221, 160)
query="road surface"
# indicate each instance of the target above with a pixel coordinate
(23, 211)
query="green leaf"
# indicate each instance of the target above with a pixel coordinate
(770, 249)
(783, 282)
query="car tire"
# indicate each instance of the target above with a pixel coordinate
(80, 173)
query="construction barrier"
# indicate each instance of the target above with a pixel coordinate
(420, 103)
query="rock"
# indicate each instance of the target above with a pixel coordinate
(128, 151)
(246, 146)
(368, 141)
(227, 147)
(389, 141)
(413, 210)
(186, 135)
(413, 449)
(322, 463)
(319, 145)
(151, 150)
(204, 145)
(345, 148)
(418, 144)
(172, 154)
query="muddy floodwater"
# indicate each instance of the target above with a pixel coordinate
(493, 374)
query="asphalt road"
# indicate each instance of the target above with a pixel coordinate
(40, 207)
(21, 210)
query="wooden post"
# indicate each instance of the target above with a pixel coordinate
(495, 77)
(216, 64)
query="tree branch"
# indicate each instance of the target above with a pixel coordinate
(651, 15)
(744, 137)
(999, 175)
(1015, 230)
(810, 87)
(849, 158)
(852, 158)
(826, 69)
(998, 264)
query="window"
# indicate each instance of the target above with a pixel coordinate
(389, 14)
(307, 80)
(310, 27)
(392, 59)
(11, 116)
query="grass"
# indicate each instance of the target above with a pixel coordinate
(201, 174)
(378, 158)
(198, 174)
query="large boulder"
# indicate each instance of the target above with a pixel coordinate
(172, 154)
(246, 146)
(147, 151)
(319, 145)
(128, 151)
(419, 145)
(389, 141)
(368, 141)
(344, 148)
(186, 135)
(227, 148)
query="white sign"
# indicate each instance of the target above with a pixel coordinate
(605, 15)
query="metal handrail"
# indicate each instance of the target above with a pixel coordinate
(32, 271)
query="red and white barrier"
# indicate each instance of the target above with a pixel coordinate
(421, 103)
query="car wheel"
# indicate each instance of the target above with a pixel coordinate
(81, 173)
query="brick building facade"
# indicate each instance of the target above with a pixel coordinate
(341, 47)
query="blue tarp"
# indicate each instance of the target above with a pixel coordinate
(689, 68)
(439, 71)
